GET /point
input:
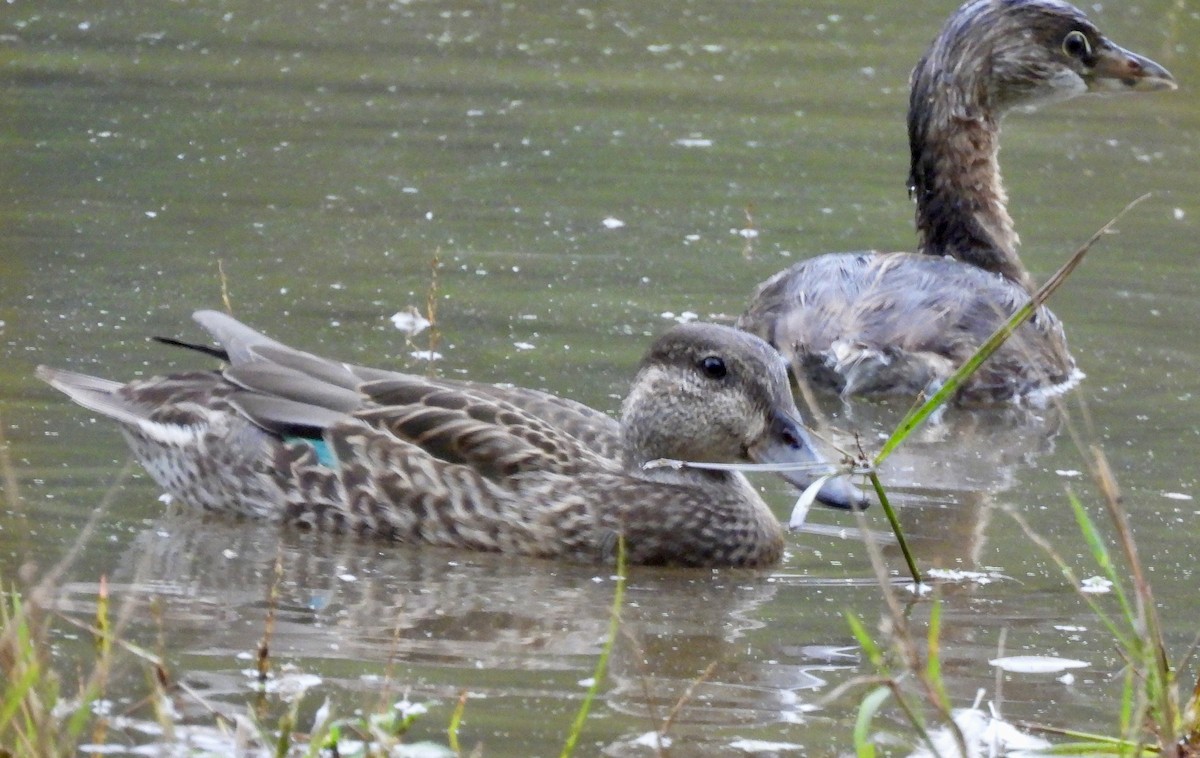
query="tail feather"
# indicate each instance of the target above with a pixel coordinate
(95, 394)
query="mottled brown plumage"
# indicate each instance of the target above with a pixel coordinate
(871, 323)
(286, 435)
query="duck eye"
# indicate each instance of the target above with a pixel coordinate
(1076, 44)
(713, 367)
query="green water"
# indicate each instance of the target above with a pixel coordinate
(324, 155)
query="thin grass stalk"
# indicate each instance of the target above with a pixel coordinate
(455, 721)
(287, 726)
(904, 642)
(614, 628)
(900, 631)
(638, 654)
(264, 643)
(1164, 689)
(8, 474)
(1156, 702)
(684, 699)
(1100, 554)
(1191, 721)
(431, 306)
(104, 632)
(1123, 640)
(914, 718)
(1150, 699)
(1129, 720)
(1100, 744)
(98, 681)
(23, 668)
(865, 640)
(224, 287)
(85, 534)
(35, 708)
(933, 660)
(1190, 652)
(384, 699)
(894, 521)
(921, 412)
(1098, 748)
(888, 685)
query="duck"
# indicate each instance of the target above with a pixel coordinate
(281, 434)
(877, 324)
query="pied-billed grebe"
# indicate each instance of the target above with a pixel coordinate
(870, 323)
(285, 435)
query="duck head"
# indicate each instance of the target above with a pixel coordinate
(712, 394)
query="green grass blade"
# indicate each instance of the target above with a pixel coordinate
(1089, 743)
(456, 722)
(1100, 747)
(1069, 574)
(933, 663)
(82, 715)
(14, 695)
(921, 412)
(1128, 699)
(870, 705)
(614, 626)
(24, 656)
(865, 641)
(1101, 556)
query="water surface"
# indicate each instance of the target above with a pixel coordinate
(325, 156)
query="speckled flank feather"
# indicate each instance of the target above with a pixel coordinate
(469, 465)
(900, 323)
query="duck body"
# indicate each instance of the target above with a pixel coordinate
(900, 323)
(285, 435)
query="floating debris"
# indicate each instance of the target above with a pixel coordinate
(292, 684)
(1036, 664)
(763, 746)
(959, 575)
(410, 321)
(985, 734)
(683, 318)
(1096, 585)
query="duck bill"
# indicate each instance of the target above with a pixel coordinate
(787, 442)
(1118, 70)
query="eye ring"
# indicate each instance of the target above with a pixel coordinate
(713, 367)
(1076, 45)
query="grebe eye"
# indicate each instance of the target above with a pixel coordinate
(713, 367)
(1076, 44)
